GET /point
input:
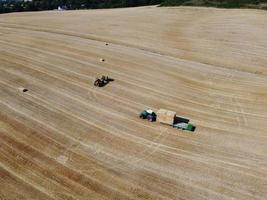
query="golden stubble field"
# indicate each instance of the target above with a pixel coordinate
(66, 139)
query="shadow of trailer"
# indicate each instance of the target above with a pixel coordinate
(180, 120)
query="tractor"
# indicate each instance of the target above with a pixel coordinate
(100, 82)
(148, 114)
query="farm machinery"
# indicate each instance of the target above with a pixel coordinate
(101, 82)
(168, 117)
(185, 126)
(149, 115)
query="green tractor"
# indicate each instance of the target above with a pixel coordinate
(148, 114)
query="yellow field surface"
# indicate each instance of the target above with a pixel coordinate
(67, 139)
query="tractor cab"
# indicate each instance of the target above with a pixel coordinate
(148, 114)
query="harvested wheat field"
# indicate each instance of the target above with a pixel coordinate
(63, 138)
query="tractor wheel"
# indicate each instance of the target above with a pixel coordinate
(96, 83)
(150, 118)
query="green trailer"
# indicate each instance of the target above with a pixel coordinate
(185, 126)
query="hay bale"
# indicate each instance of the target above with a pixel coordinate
(166, 116)
(102, 60)
(23, 90)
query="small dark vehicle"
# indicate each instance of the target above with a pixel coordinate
(101, 82)
(149, 115)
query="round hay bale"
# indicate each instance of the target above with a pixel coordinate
(23, 90)
(106, 44)
(102, 60)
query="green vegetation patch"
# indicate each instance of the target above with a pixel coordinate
(261, 4)
(38, 5)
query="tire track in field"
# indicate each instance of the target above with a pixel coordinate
(219, 162)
